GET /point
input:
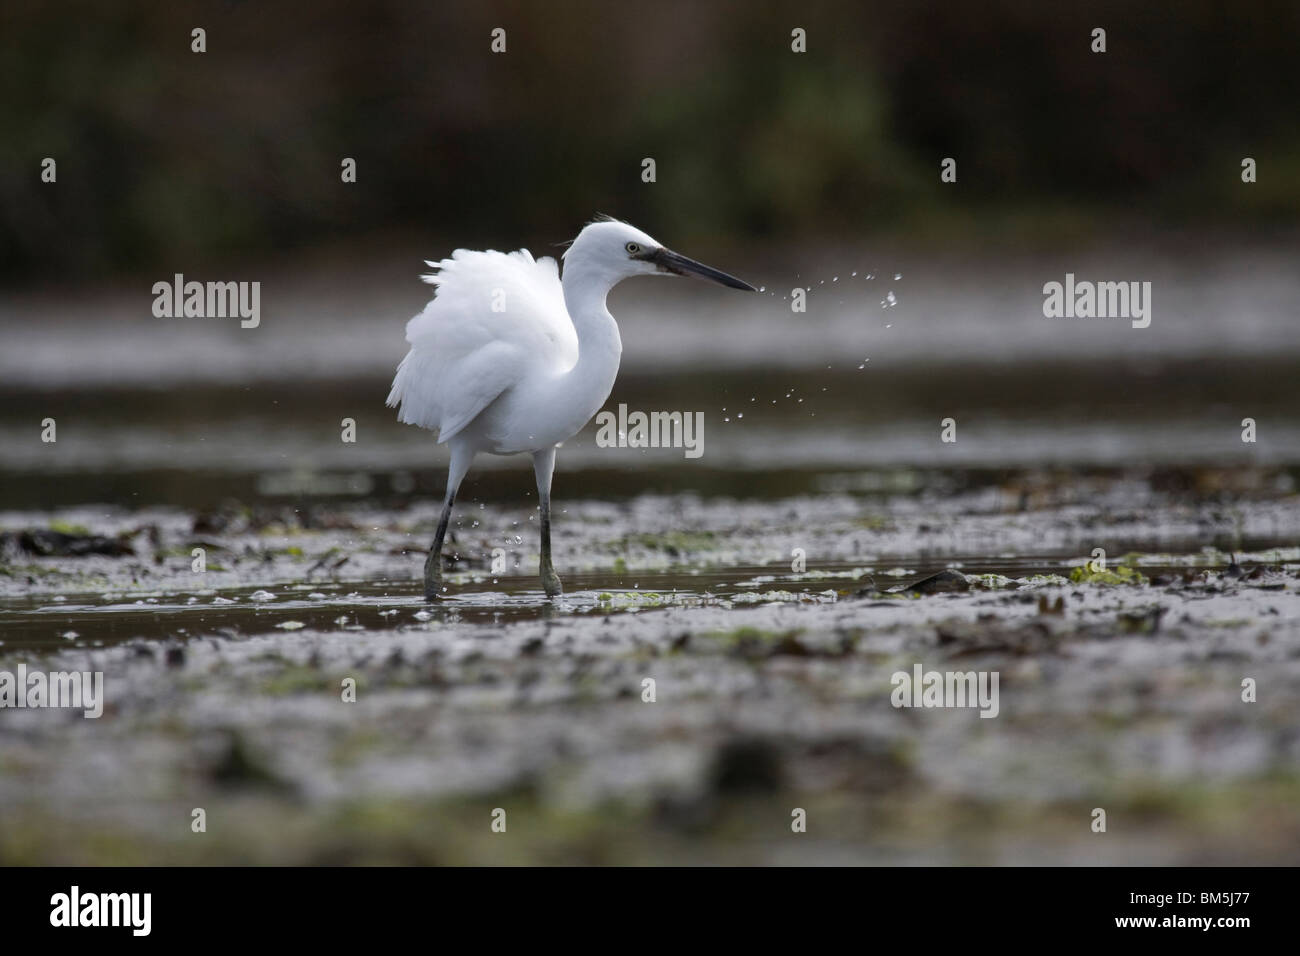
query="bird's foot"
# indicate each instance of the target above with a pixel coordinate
(551, 582)
(432, 580)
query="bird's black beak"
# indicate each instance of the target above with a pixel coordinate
(670, 261)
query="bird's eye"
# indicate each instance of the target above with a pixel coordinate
(632, 248)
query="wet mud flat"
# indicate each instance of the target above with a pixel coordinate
(771, 629)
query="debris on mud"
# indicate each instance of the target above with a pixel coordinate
(47, 543)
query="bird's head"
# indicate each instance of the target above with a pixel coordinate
(620, 251)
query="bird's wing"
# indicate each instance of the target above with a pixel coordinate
(493, 317)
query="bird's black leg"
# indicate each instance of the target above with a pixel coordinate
(433, 563)
(544, 465)
(550, 580)
(460, 462)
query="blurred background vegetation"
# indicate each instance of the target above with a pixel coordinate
(168, 156)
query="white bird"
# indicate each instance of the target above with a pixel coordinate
(507, 358)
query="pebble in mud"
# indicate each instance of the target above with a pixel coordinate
(942, 582)
(746, 765)
(945, 582)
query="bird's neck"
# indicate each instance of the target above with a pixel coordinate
(600, 347)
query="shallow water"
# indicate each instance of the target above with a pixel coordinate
(74, 620)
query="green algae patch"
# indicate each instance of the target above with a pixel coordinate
(675, 540)
(298, 680)
(68, 527)
(1114, 576)
(754, 641)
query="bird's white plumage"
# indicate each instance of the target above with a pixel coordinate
(508, 358)
(494, 318)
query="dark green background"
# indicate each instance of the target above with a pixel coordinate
(166, 156)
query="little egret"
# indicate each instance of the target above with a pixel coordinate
(507, 358)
